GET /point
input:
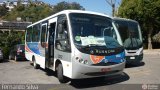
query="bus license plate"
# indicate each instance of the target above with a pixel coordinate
(105, 69)
(132, 57)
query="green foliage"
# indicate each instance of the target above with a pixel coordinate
(37, 11)
(3, 11)
(8, 40)
(33, 12)
(146, 12)
(66, 6)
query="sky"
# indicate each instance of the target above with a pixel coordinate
(100, 6)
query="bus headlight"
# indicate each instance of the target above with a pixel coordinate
(85, 62)
(77, 58)
(80, 60)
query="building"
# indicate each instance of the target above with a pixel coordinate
(11, 4)
(13, 25)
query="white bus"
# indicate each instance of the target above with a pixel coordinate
(131, 36)
(76, 44)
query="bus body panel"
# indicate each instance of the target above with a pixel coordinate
(67, 68)
(33, 50)
(65, 59)
(92, 69)
(84, 71)
(28, 56)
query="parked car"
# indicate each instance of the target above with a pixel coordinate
(1, 55)
(17, 52)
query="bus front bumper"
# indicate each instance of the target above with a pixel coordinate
(134, 59)
(80, 71)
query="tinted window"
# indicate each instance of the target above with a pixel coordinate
(129, 33)
(43, 35)
(62, 37)
(36, 30)
(93, 30)
(29, 34)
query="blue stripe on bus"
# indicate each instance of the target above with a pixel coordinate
(118, 58)
(34, 47)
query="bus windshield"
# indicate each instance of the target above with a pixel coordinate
(130, 33)
(93, 30)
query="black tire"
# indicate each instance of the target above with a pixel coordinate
(35, 65)
(61, 78)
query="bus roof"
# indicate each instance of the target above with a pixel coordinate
(124, 19)
(67, 12)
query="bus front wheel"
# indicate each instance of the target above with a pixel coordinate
(61, 78)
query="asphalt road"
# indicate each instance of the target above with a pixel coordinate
(22, 72)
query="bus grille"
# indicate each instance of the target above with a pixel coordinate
(104, 64)
(101, 73)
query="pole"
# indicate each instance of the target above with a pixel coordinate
(113, 9)
(112, 4)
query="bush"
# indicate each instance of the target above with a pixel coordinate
(8, 40)
(6, 52)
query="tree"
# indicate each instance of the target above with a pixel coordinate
(146, 12)
(66, 6)
(8, 40)
(3, 11)
(33, 12)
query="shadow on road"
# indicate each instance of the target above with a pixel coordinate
(50, 72)
(135, 65)
(4, 61)
(22, 61)
(92, 82)
(101, 81)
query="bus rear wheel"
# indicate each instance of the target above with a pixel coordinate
(61, 78)
(35, 65)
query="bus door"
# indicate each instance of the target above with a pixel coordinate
(43, 44)
(50, 41)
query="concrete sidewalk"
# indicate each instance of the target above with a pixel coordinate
(152, 51)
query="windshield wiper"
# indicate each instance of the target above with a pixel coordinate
(90, 45)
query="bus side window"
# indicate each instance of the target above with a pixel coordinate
(43, 36)
(35, 35)
(52, 32)
(29, 34)
(62, 37)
